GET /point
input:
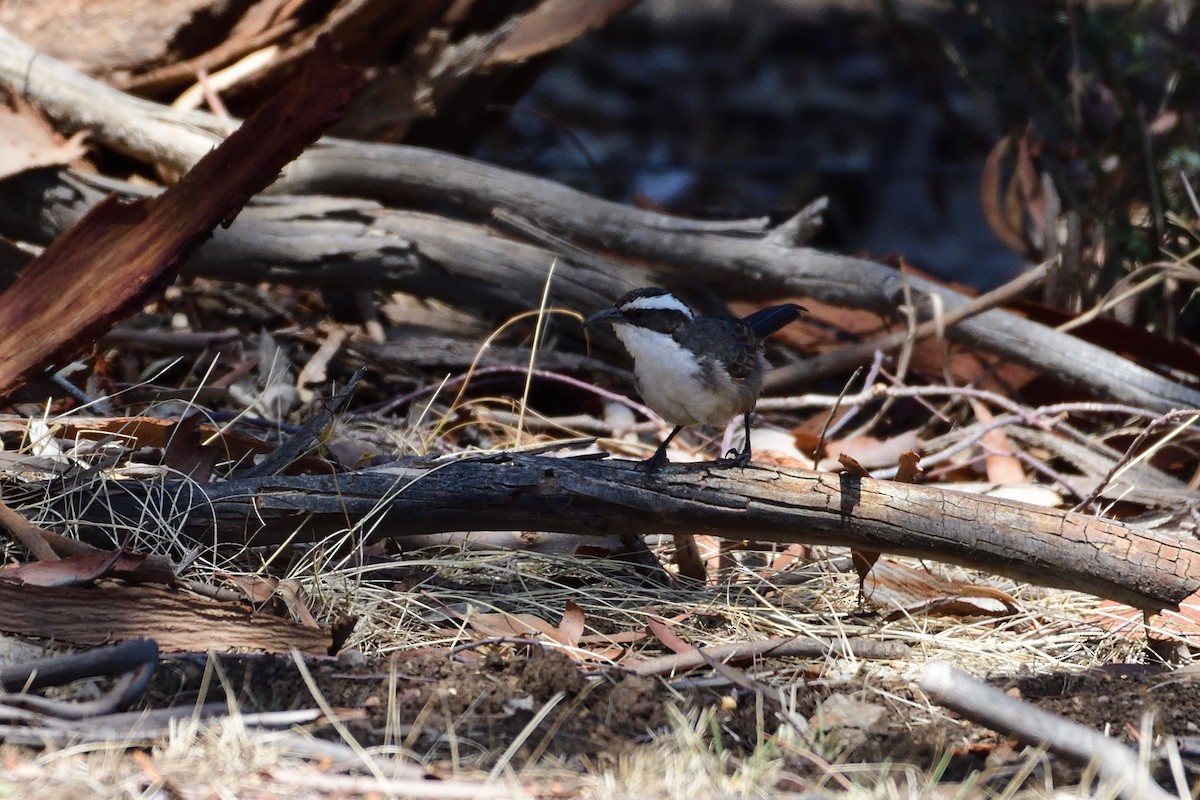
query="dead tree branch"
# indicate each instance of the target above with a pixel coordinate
(526, 492)
(746, 266)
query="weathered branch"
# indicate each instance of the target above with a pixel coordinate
(1045, 546)
(338, 242)
(980, 702)
(748, 266)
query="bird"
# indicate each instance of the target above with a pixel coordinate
(694, 369)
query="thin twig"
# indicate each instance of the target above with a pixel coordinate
(987, 705)
(816, 456)
(808, 647)
(1128, 460)
(839, 361)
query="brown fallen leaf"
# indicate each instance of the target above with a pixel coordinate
(789, 555)
(662, 631)
(909, 468)
(71, 571)
(1131, 623)
(258, 589)
(293, 597)
(869, 451)
(227, 444)
(570, 627)
(852, 467)
(1002, 466)
(121, 255)
(28, 141)
(186, 452)
(136, 568)
(620, 637)
(530, 625)
(863, 561)
(905, 591)
(991, 187)
(314, 372)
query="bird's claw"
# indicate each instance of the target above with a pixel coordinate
(735, 459)
(655, 462)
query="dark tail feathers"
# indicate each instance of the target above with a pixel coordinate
(766, 321)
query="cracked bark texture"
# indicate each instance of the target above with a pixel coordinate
(1029, 543)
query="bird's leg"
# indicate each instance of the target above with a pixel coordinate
(741, 459)
(660, 455)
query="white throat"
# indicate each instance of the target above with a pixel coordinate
(671, 380)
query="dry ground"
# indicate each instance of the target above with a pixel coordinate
(543, 720)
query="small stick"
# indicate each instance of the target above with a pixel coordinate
(29, 535)
(987, 705)
(1127, 460)
(807, 647)
(854, 355)
(832, 413)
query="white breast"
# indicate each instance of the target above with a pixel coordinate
(669, 379)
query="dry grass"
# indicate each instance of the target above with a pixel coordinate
(1055, 631)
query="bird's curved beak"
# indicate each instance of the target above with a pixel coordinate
(609, 313)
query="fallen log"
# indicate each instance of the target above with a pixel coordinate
(742, 261)
(1056, 548)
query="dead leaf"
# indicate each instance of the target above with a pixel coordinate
(570, 627)
(568, 632)
(186, 454)
(150, 432)
(990, 188)
(314, 372)
(72, 571)
(905, 591)
(869, 451)
(511, 625)
(863, 561)
(620, 637)
(1122, 620)
(790, 555)
(662, 631)
(293, 597)
(28, 141)
(1030, 198)
(132, 567)
(258, 589)
(1024, 197)
(909, 468)
(852, 467)
(1002, 466)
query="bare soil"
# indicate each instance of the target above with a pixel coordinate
(480, 703)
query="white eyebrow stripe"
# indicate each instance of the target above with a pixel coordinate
(658, 302)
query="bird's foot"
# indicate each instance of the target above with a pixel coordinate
(735, 459)
(655, 462)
